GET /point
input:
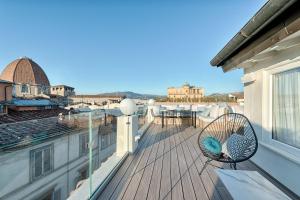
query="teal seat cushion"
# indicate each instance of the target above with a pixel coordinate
(212, 146)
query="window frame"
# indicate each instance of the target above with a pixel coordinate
(27, 88)
(106, 138)
(32, 161)
(267, 110)
(86, 136)
(2, 109)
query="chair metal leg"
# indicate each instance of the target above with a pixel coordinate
(233, 166)
(205, 165)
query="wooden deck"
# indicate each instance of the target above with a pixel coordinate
(166, 165)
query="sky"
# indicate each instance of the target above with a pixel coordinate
(143, 46)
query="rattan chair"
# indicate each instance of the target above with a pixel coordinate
(221, 129)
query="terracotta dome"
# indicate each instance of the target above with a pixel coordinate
(25, 70)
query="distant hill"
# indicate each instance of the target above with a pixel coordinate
(132, 95)
(237, 94)
(232, 93)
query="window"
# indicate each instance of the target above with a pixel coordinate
(41, 161)
(113, 138)
(51, 195)
(2, 110)
(108, 140)
(24, 88)
(39, 90)
(104, 141)
(83, 144)
(286, 107)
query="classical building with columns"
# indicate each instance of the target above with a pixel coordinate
(185, 93)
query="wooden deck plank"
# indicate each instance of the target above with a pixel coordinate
(165, 187)
(167, 166)
(143, 188)
(146, 154)
(125, 180)
(188, 190)
(177, 193)
(194, 175)
(134, 180)
(175, 173)
(196, 179)
(131, 190)
(167, 144)
(206, 180)
(154, 188)
(153, 153)
(116, 181)
(142, 191)
(172, 140)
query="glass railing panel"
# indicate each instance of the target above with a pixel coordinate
(142, 116)
(57, 157)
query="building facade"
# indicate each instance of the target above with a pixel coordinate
(186, 93)
(95, 99)
(62, 90)
(54, 166)
(271, 63)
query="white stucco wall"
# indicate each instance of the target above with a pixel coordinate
(15, 168)
(277, 162)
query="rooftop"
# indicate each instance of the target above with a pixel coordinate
(19, 127)
(66, 86)
(96, 96)
(276, 20)
(166, 165)
(33, 102)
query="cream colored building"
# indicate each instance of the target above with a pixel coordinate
(186, 93)
(62, 90)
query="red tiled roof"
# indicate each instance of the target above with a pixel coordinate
(22, 128)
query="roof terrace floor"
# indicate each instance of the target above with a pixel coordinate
(166, 165)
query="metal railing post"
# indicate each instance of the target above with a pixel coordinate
(192, 118)
(195, 118)
(90, 147)
(162, 118)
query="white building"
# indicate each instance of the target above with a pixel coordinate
(51, 167)
(267, 48)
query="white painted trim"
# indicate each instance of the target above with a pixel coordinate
(284, 154)
(268, 73)
(248, 78)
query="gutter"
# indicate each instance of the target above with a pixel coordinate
(261, 19)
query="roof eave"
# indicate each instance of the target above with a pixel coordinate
(261, 19)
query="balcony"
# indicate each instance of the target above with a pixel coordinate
(167, 164)
(54, 154)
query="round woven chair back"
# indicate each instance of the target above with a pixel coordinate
(222, 128)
